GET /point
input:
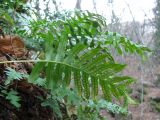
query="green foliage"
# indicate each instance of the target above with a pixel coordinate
(56, 70)
(70, 98)
(78, 48)
(7, 92)
(85, 109)
(13, 75)
(13, 13)
(122, 44)
(51, 102)
(91, 109)
(5, 18)
(114, 108)
(76, 61)
(81, 27)
(12, 96)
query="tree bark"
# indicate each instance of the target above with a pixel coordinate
(78, 5)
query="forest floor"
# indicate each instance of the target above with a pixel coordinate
(148, 94)
(149, 108)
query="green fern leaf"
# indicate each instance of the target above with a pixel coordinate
(67, 77)
(77, 81)
(13, 97)
(13, 75)
(94, 83)
(36, 71)
(86, 85)
(50, 79)
(106, 90)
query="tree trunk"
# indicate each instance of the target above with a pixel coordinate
(78, 5)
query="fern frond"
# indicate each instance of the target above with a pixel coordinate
(86, 85)
(121, 44)
(12, 96)
(94, 83)
(13, 75)
(106, 90)
(78, 49)
(85, 78)
(35, 72)
(67, 77)
(77, 80)
(50, 76)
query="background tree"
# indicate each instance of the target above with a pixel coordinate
(78, 5)
(157, 29)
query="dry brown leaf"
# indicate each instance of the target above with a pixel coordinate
(12, 45)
